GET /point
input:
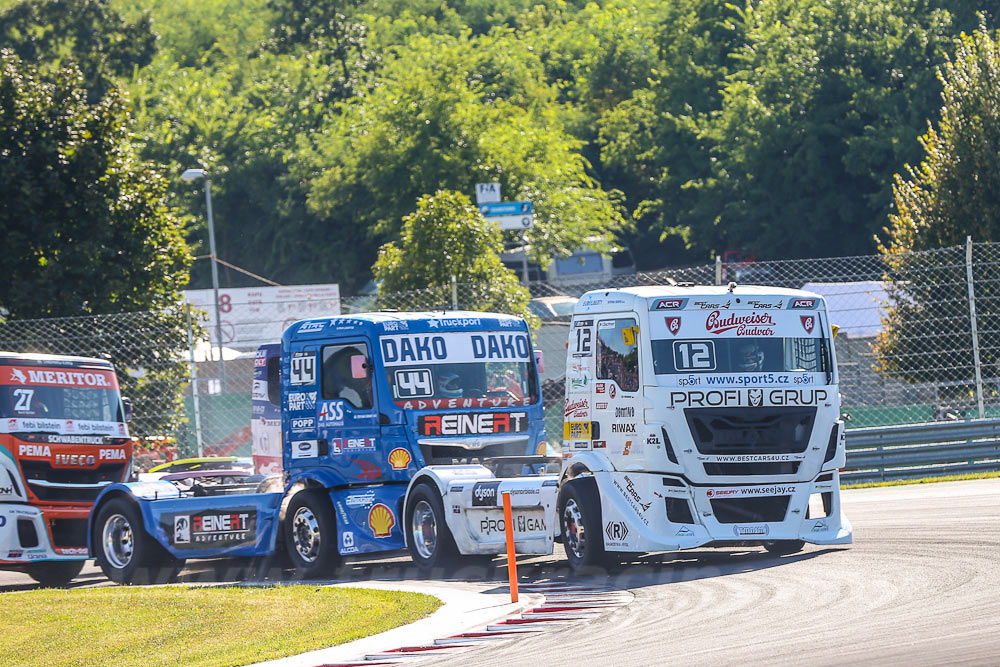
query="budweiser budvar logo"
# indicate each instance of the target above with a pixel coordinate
(754, 324)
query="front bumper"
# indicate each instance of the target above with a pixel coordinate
(25, 538)
(651, 512)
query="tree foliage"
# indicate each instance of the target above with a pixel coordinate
(447, 237)
(89, 33)
(450, 113)
(86, 226)
(955, 190)
(952, 194)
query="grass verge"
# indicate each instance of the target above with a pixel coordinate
(193, 626)
(924, 480)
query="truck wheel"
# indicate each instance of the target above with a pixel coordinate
(55, 573)
(311, 534)
(429, 540)
(784, 547)
(125, 552)
(580, 524)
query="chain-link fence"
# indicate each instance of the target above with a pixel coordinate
(918, 341)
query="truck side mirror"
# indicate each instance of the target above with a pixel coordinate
(540, 361)
(359, 366)
(127, 408)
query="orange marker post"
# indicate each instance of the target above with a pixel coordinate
(508, 522)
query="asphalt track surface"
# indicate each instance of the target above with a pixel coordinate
(920, 586)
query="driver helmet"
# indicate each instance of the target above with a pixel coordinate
(750, 357)
(448, 386)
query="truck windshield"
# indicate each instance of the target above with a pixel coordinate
(460, 370)
(740, 355)
(100, 405)
(32, 398)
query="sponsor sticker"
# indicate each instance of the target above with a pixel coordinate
(576, 431)
(311, 327)
(305, 449)
(212, 528)
(668, 304)
(617, 533)
(473, 423)
(399, 458)
(381, 520)
(754, 324)
(484, 494)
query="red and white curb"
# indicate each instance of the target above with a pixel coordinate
(562, 604)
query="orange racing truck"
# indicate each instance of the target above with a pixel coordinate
(63, 437)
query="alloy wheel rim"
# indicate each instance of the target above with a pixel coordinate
(424, 529)
(118, 540)
(306, 535)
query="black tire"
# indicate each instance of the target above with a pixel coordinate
(428, 539)
(55, 573)
(784, 547)
(125, 552)
(311, 534)
(579, 510)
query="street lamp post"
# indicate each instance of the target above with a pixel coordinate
(191, 175)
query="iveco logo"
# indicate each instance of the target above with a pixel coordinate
(65, 460)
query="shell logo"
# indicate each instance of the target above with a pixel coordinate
(381, 520)
(399, 459)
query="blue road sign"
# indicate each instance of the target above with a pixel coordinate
(506, 208)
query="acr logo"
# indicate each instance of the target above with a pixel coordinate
(310, 327)
(617, 531)
(802, 303)
(669, 304)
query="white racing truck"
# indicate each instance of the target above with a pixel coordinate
(700, 415)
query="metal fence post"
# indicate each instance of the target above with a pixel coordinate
(718, 269)
(454, 294)
(194, 383)
(975, 328)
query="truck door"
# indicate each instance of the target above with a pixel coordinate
(347, 424)
(617, 390)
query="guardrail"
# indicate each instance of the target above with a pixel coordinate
(922, 450)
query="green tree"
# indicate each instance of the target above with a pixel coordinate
(85, 224)
(89, 33)
(436, 122)
(446, 236)
(819, 109)
(953, 193)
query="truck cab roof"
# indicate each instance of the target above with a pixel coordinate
(696, 297)
(386, 322)
(7, 358)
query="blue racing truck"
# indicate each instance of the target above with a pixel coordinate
(398, 431)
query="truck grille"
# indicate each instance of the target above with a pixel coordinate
(43, 471)
(69, 532)
(446, 454)
(750, 469)
(769, 430)
(750, 510)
